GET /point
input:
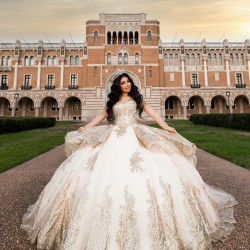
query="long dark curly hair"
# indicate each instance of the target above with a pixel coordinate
(116, 93)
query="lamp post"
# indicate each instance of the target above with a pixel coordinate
(16, 97)
(228, 94)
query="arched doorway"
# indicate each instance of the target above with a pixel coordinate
(219, 105)
(241, 104)
(195, 106)
(72, 109)
(173, 108)
(25, 107)
(5, 109)
(49, 108)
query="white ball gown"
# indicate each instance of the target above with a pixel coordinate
(128, 186)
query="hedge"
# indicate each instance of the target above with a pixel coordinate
(9, 125)
(236, 121)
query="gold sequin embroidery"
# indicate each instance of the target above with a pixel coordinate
(135, 161)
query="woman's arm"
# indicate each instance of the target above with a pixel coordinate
(95, 121)
(151, 112)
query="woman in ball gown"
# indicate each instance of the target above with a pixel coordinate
(128, 186)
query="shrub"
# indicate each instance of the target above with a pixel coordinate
(236, 121)
(9, 125)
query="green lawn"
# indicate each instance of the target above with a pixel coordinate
(230, 144)
(16, 148)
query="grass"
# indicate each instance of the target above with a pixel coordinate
(16, 148)
(230, 144)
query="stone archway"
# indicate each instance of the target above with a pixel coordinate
(109, 81)
(173, 107)
(25, 107)
(219, 105)
(5, 107)
(72, 108)
(241, 104)
(49, 107)
(195, 105)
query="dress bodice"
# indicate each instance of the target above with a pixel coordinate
(125, 113)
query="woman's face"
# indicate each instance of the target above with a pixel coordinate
(125, 85)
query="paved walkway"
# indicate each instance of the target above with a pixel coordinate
(21, 186)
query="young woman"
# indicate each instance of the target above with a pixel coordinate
(128, 186)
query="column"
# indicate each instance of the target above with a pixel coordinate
(228, 74)
(208, 109)
(15, 76)
(38, 83)
(37, 111)
(62, 74)
(183, 74)
(61, 113)
(13, 109)
(184, 112)
(205, 73)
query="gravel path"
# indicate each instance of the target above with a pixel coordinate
(21, 186)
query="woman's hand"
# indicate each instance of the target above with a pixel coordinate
(81, 129)
(170, 129)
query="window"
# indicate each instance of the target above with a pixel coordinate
(136, 58)
(149, 36)
(150, 72)
(71, 60)
(26, 61)
(77, 60)
(190, 103)
(4, 80)
(214, 59)
(213, 104)
(119, 58)
(49, 61)
(32, 61)
(165, 59)
(50, 80)
(176, 60)
(85, 50)
(8, 61)
(209, 59)
(198, 59)
(3, 61)
(27, 80)
(187, 60)
(220, 59)
(169, 104)
(54, 105)
(239, 79)
(192, 59)
(108, 59)
(236, 59)
(241, 59)
(95, 36)
(31, 104)
(125, 59)
(170, 60)
(54, 61)
(194, 79)
(95, 72)
(231, 59)
(73, 79)
(76, 105)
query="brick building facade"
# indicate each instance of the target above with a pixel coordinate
(71, 81)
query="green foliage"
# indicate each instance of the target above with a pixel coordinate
(235, 121)
(16, 148)
(9, 125)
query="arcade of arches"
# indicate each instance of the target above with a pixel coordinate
(71, 107)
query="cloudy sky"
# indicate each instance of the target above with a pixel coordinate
(192, 20)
